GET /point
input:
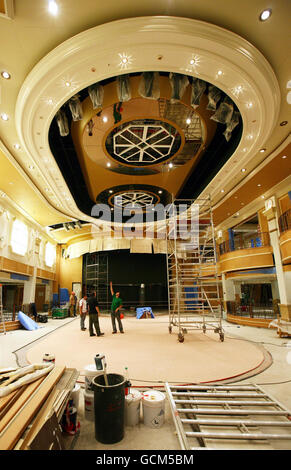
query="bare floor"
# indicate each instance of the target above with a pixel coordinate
(274, 376)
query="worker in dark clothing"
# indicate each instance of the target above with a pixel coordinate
(115, 310)
(93, 315)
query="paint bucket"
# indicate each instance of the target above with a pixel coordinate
(49, 358)
(132, 407)
(153, 403)
(89, 405)
(75, 395)
(91, 372)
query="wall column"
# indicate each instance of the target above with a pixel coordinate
(228, 289)
(29, 289)
(285, 297)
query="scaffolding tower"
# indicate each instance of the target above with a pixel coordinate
(96, 277)
(193, 284)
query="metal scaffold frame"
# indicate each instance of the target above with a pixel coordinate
(193, 284)
(227, 415)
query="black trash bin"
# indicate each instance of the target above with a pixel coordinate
(109, 403)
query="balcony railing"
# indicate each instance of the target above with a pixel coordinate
(285, 221)
(242, 241)
(264, 311)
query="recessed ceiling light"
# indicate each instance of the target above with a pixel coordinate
(188, 121)
(105, 119)
(262, 150)
(243, 170)
(46, 189)
(68, 84)
(110, 190)
(265, 15)
(17, 146)
(53, 7)
(283, 123)
(170, 165)
(259, 185)
(31, 167)
(4, 117)
(5, 75)
(263, 197)
(160, 192)
(108, 164)
(222, 191)
(219, 72)
(284, 156)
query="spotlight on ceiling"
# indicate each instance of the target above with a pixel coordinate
(265, 15)
(5, 75)
(53, 7)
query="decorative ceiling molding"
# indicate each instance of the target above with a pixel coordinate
(7, 10)
(159, 43)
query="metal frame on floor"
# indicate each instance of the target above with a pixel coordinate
(205, 415)
(193, 284)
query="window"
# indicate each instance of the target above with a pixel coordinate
(19, 238)
(50, 254)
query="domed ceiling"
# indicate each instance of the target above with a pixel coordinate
(138, 140)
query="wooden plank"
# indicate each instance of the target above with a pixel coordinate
(14, 396)
(19, 403)
(5, 400)
(16, 427)
(54, 403)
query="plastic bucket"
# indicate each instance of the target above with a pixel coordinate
(153, 403)
(132, 407)
(89, 405)
(76, 395)
(109, 405)
(90, 372)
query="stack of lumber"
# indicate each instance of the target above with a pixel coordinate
(25, 411)
(10, 326)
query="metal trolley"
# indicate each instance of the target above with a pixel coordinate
(193, 284)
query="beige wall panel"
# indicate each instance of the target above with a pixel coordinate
(70, 271)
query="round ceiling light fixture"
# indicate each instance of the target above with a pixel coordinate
(265, 15)
(5, 74)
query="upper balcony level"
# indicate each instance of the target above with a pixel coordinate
(285, 236)
(246, 251)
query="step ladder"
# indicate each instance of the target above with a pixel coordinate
(216, 417)
(2, 319)
(193, 282)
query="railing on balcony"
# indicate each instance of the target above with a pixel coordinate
(285, 221)
(242, 241)
(258, 310)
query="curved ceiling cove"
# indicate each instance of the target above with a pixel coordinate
(152, 101)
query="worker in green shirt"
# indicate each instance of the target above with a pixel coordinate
(115, 310)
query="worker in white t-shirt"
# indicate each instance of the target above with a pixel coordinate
(83, 311)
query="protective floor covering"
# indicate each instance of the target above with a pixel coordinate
(152, 354)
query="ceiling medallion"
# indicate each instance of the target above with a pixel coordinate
(134, 200)
(143, 142)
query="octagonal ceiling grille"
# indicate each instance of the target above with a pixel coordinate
(134, 199)
(143, 142)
